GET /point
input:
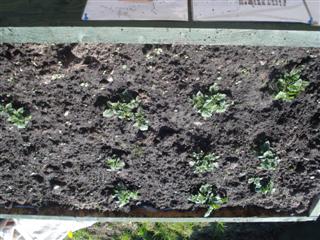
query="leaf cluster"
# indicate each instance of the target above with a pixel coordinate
(212, 102)
(208, 196)
(129, 110)
(260, 185)
(269, 160)
(203, 163)
(114, 163)
(17, 117)
(290, 85)
(124, 196)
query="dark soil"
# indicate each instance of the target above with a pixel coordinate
(58, 160)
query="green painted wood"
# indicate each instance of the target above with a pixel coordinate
(32, 13)
(198, 220)
(315, 208)
(160, 36)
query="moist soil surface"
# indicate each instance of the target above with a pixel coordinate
(59, 160)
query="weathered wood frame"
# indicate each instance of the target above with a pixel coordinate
(28, 22)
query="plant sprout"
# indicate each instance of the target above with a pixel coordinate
(17, 117)
(140, 121)
(129, 110)
(213, 102)
(269, 160)
(290, 85)
(121, 110)
(204, 162)
(114, 163)
(207, 196)
(124, 196)
(261, 186)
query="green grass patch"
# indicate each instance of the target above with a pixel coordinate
(151, 231)
(173, 231)
(82, 234)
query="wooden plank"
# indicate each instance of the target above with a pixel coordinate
(174, 10)
(36, 13)
(161, 36)
(198, 220)
(315, 208)
(251, 10)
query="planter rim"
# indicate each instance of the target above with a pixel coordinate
(313, 216)
(161, 35)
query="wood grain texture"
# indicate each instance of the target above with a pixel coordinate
(160, 36)
(174, 10)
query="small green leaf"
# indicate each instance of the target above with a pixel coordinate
(115, 163)
(207, 196)
(15, 116)
(290, 85)
(124, 196)
(127, 109)
(108, 113)
(213, 102)
(203, 163)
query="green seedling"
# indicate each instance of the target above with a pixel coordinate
(290, 85)
(114, 163)
(269, 160)
(124, 196)
(260, 186)
(155, 52)
(208, 196)
(128, 110)
(121, 110)
(140, 121)
(17, 117)
(203, 163)
(213, 102)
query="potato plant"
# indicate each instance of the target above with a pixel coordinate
(208, 196)
(211, 102)
(129, 110)
(290, 85)
(123, 196)
(17, 117)
(203, 163)
(114, 163)
(261, 185)
(268, 159)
